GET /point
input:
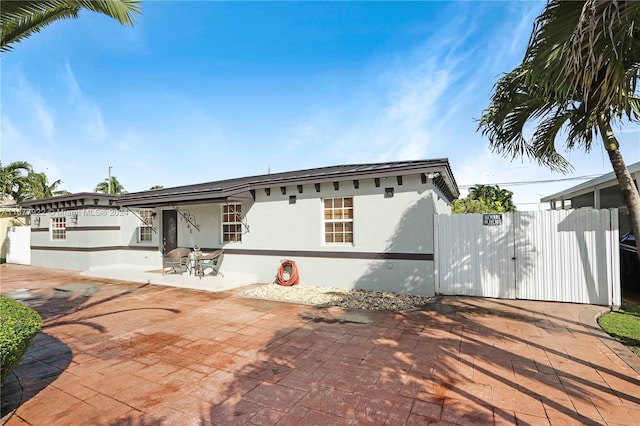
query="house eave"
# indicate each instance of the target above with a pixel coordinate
(229, 190)
(603, 181)
(71, 197)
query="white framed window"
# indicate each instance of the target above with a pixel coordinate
(338, 220)
(146, 225)
(59, 228)
(231, 222)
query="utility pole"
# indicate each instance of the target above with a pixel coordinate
(109, 192)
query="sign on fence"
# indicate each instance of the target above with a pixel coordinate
(492, 219)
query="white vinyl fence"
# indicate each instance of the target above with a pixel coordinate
(19, 245)
(556, 255)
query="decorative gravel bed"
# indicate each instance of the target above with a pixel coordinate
(344, 298)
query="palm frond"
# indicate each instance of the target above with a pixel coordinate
(587, 51)
(124, 11)
(634, 106)
(14, 31)
(20, 19)
(516, 105)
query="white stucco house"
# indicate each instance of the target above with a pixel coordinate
(367, 226)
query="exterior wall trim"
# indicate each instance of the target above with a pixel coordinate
(330, 254)
(279, 253)
(81, 228)
(93, 228)
(90, 249)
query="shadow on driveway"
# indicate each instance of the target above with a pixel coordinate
(166, 356)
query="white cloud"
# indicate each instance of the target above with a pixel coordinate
(520, 34)
(419, 103)
(87, 110)
(394, 115)
(408, 117)
(34, 101)
(45, 118)
(10, 135)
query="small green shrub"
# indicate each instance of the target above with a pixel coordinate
(19, 324)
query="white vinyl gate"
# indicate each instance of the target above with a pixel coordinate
(556, 255)
(19, 245)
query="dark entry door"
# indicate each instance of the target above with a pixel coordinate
(169, 230)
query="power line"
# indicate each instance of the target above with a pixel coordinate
(532, 182)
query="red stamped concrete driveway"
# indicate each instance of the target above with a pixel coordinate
(121, 353)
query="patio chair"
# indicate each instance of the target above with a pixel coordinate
(206, 261)
(176, 259)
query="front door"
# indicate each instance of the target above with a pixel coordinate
(169, 230)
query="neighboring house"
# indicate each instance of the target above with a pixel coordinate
(602, 192)
(364, 226)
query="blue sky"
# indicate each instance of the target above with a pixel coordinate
(202, 91)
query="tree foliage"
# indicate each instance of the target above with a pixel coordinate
(20, 182)
(485, 199)
(590, 50)
(14, 180)
(21, 19)
(115, 187)
(39, 187)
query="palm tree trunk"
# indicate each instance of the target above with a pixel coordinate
(627, 185)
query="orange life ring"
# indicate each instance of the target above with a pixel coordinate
(288, 266)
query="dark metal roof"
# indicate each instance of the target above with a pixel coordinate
(230, 189)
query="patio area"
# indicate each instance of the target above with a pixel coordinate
(116, 352)
(209, 282)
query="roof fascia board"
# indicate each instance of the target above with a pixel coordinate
(604, 181)
(345, 176)
(70, 197)
(177, 199)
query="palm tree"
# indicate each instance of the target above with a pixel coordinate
(20, 19)
(39, 187)
(114, 187)
(13, 180)
(578, 76)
